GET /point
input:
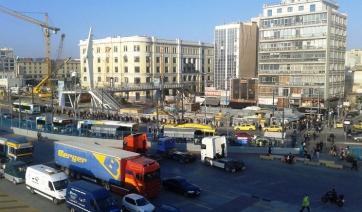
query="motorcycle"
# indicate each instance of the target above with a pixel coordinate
(328, 196)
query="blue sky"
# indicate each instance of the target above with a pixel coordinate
(191, 20)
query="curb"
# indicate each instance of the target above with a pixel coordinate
(266, 157)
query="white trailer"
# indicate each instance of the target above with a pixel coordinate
(214, 153)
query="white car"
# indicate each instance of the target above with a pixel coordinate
(347, 121)
(135, 202)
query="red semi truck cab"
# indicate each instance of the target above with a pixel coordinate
(136, 143)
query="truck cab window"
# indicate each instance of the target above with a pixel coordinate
(139, 177)
(50, 184)
(93, 205)
(11, 150)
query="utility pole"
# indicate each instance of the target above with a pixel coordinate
(283, 128)
(19, 104)
(273, 102)
(205, 96)
(102, 100)
(182, 104)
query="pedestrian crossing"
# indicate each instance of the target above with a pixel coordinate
(11, 204)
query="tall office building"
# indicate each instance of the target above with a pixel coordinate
(7, 63)
(235, 52)
(302, 54)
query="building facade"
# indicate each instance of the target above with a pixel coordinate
(143, 60)
(7, 63)
(235, 52)
(33, 70)
(302, 47)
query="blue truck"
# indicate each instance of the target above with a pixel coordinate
(166, 147)
(117, 170)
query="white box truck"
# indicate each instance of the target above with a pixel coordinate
(47, 182)
(214, 153)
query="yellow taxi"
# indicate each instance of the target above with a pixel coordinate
(245, 127)
(273, 128)
(339, 124)
(357, 126)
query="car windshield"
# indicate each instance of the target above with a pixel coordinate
(149, 176)
(20, 168)
(142, 202)
(24, 150)
(106, 203)
(61, 184)
(185, 183)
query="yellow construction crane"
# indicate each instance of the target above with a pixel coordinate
(46, 35)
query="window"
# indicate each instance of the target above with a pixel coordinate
(84, 69)
(99, 79)
(136, 48)
(148, 79)
(84, 60)
(174, 59)
(270, 12)
(273, 79)
(98, 59)
(263, 79)
(98, 50)
(312, 7)
(137, 69)
(116, 59)
(166, 59)
(125, 48)
(158, 69)
(166, 69)
(301, 8)
(174, 69)
(173, 79)
(116, 69)
(137, 80)
(279, 10)
(290, 9)
(99, 69)
(136, 59)
(157, 59)
(148, 69)
(126, 79)
(116, 79)
(85, 79)
(125, 58)
(148, 48)
(125, 69)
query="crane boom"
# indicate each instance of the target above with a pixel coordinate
(46, 34)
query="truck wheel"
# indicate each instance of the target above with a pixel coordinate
(55, 201)
(78, 176)
(32, 190)
(72, 209)
(107, 186)
(14, 182)
(182, 160)
(72, 173)
(66, 171)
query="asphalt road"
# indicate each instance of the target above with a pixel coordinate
(263, 186)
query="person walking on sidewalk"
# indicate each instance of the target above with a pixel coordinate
(354, 165)
(305, 203)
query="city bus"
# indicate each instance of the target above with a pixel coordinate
(189, 131)
(58, 123)
(26, 107)
(84, 127)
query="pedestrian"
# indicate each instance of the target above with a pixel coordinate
(354, 165)
(269, 151)
(305, 203)
(314, 136)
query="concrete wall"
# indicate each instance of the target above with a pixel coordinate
(152, 145)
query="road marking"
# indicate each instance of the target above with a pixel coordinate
(222, 195)
(185, 200)
(11, 204)
(269, 208)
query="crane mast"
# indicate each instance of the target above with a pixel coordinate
(46, 35)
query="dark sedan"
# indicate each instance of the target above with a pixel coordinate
(167, 208)
(181, 185)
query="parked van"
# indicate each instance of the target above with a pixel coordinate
(14, 171)
(46, 181)
(85, 196)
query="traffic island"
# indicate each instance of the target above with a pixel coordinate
(326, 161)
(266, 157)
(313, 163)
(334, 166)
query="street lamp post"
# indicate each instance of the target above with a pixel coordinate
(227, 124)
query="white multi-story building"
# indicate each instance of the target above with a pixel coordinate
(302, 47)
(143, 60)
